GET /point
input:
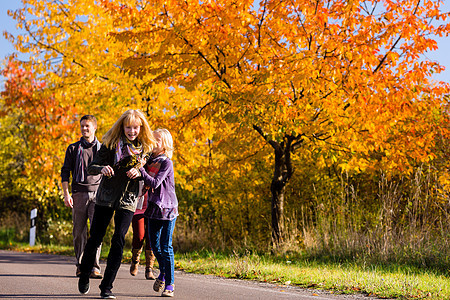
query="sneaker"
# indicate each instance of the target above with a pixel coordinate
(83, 285)
(96, 274)
(158, 285)
(167, 293)
(107, 294)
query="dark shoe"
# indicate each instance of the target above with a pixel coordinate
(83, 284)
(107, 294)
(158, 285)
(96, 274)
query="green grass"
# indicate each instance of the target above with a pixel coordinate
(376, 280)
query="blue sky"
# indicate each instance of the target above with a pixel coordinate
(7, 24)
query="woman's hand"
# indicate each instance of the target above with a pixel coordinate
(108, 171)
(133, 173)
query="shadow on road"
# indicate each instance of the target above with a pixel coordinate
(36, 275)
(37, 258)
(43, 296)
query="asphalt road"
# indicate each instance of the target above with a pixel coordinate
(43, 276)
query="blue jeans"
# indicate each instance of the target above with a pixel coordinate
(160, 234)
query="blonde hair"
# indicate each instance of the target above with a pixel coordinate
(132, 116)
(167, 141)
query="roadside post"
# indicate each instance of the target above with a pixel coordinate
(33, 226)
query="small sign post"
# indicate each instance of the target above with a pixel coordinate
(33, 226)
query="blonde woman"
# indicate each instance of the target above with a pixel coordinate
(125, 149)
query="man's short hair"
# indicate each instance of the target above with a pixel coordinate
(89, 118)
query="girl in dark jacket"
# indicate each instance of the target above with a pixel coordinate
(125, 149)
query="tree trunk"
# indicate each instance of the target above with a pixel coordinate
(277, 189)
(282, 173)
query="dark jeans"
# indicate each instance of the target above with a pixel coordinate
(102, 218)
(160, 233)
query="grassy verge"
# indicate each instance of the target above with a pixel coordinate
(374, 280)
(381, 281)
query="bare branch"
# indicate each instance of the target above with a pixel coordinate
(273, 143)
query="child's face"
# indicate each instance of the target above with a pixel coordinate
(159, 147)
(132, 131)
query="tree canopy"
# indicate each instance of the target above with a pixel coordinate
(241, 83)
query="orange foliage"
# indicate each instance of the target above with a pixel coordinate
(47, 124)
(343, 75)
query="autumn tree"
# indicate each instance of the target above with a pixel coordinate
(338, 81)
(338, 78)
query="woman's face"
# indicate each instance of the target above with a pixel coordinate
(132, 131)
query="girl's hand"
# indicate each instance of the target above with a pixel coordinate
(133, 173)
(108, 171)
(142, 161)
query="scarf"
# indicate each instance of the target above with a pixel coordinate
(154, 165)
(126, 148)
(80, 172)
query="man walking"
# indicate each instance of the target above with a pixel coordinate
(84, 187)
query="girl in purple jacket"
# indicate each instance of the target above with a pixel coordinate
(162, 208)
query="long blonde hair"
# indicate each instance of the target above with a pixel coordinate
(167, 141)
(132, 116)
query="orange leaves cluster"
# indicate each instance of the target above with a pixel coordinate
(46, 124)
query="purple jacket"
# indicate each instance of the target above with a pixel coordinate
(162, 187)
